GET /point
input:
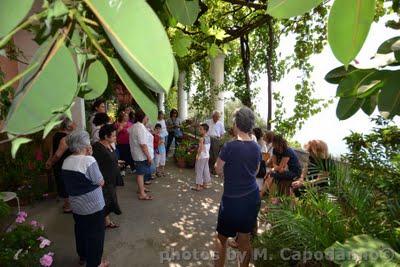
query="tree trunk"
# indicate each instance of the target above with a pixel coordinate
(270, 51)
(245, 53)
(182, 97)
(161, 101)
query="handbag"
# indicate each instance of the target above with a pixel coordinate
(263, 170)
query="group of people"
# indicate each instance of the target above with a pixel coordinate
(88, 167)
(252, 155)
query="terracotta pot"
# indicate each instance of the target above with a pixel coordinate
(190, 164)
(180, 162)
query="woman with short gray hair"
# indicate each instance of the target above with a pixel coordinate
(238, 163)
(83, 182)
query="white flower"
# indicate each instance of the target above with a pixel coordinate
(17, 254)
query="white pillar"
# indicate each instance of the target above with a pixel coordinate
(161, 99)
(78, 113)
(182, 97)
(217, 80)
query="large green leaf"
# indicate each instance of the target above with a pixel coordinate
(386, 46)
(44, 93)
(389, 98)
(290, 8)
(370, 104)
(12, 13)
(97, 80)
(139, 38)
(348, 26)
(142, 95)
(181, 44)
(16, 143)
(348, 106)
(349, 85)
(337, 74)
(363, 251)
(184, 11)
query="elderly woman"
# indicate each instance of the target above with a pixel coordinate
(83, 182)
(105, 155)
(318, 166)
(238, 162)
(58, 154)
(141, 142)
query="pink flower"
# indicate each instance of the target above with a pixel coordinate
(34, 223)
(44, 242)
(22, 214)
(47, 259)
(41, 238)
(20, 219)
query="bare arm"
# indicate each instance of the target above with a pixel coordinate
(201, 147)
(282, 164)
(62, 147)
(219, 166)
(146, 152)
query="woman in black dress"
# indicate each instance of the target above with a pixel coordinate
(105, 155)
(60, 152)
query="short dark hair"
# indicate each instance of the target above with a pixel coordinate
(205, 126)
(172, 112)
(100, 119)
(121, 116)
(139, 116)
(158, 126)
(97, 103)
(279, 143)
(258, 133)
(106, 131)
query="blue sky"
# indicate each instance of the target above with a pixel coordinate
(325, 125)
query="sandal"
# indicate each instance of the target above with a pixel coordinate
(233, 243)
(67, 210)
(206, 186)
(147, 183)
(195, 189)
(145, 190)
(112, 225)
(147, 197)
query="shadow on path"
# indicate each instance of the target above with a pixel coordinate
(151, 233)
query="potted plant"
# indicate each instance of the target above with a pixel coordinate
(180, 154)
(190, 156)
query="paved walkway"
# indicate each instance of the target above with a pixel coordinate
(177, 220)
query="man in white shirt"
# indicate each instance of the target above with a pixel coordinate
(216, 131)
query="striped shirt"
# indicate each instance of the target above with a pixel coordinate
(82, 179)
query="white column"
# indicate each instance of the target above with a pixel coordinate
(217, 80)
(78, 113)
(182, 97)
(161, 99)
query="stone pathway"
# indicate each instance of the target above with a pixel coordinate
(151, 233)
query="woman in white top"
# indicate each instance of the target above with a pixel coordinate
(141, 143)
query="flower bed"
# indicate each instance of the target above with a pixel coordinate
(25, 244)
